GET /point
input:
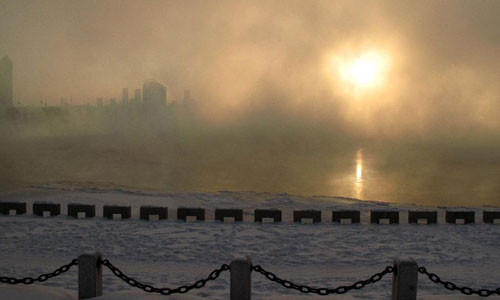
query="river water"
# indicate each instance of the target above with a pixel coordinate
(436, 174)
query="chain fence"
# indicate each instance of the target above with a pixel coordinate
(164, 291)
(257, 268)
(272, 277)
(41, 278)
(453, 287)
(322, 291)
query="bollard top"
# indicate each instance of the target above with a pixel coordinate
(404, 261)
(242, 260)
(96, 254)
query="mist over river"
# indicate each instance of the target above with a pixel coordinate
(347, 98)
(433, 171)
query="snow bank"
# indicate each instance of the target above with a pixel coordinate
(39, 292)
(35, 292)
(347, 297)
(140, 295)
(169, 253)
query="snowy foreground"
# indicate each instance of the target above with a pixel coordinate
(170, 253)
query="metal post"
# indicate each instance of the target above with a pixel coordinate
(89, 275)
(404, 279)
(241, 281)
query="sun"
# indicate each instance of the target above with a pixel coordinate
(363, 72)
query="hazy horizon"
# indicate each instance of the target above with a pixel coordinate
(285, 95)
(441, 67)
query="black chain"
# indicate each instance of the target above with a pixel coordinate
(269, 275)
(165, 291)
(41, 278)
(453, 287)
(323, 291)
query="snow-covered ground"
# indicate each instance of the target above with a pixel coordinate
(171, 253)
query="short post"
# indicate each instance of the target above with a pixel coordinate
(89, 275)
(404, 279)
(241, 280)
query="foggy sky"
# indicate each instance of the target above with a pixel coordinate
(235, 56)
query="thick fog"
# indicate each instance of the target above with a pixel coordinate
(271, 108)
(239, 56)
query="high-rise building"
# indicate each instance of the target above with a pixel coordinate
(137, 97)
(154, 94)
(6, 82)
(125, 96)
(99, 101)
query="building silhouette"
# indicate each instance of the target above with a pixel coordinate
(6, 82)
(125, 96)
(154, 94)
(137, 96)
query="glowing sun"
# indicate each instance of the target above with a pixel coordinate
(362, 72)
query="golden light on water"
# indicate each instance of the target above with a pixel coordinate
(358, 185)
(359, 171)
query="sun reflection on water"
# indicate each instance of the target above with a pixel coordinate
(358, 185)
